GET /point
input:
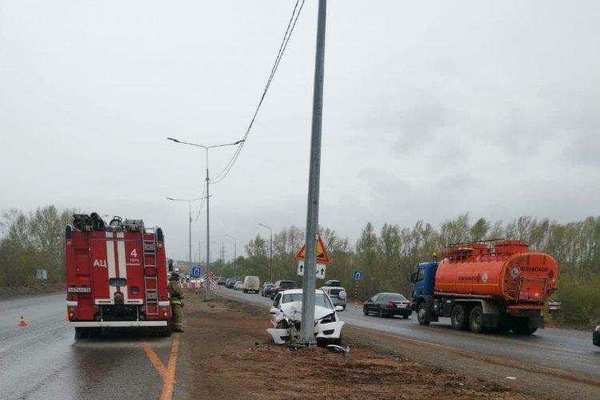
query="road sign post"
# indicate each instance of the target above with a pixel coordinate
(357, 276)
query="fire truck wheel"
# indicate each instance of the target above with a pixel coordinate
(476, 319)
(81, 333)
(458, 317)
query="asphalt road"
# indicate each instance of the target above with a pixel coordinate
(558, 352)
(43, 361)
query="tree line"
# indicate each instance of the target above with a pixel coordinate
(387, 255)
(30, 241)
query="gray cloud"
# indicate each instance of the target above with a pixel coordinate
(432, 109)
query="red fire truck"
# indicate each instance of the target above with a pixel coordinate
(116, 275)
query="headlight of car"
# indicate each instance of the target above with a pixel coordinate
(342, 294)
(328, 319)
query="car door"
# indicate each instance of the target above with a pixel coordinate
(372, 303)
(381, 302)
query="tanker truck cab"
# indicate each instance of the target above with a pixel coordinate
(423, 279)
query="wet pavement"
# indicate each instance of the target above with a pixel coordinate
(43, 361)
(563, 350)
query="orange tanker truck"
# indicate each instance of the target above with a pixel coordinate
(496, 285)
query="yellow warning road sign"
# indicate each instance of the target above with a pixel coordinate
(320, 250)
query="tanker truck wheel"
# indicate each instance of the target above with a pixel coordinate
(523, 326)
(422, 316)
(476, 319)
(458, 317)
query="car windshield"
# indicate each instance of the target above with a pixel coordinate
(392, 297)
(287, 284)
(320, 299)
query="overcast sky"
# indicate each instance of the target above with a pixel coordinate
(432, 109)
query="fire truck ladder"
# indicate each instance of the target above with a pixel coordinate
(150, 281)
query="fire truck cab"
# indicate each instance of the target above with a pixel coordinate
(116, 275)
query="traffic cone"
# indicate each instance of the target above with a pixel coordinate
(22, 323)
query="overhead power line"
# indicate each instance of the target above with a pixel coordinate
(282, 47)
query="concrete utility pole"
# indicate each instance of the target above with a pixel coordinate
(206, 148)
(270, 250)
(312, 214)
(189, 201)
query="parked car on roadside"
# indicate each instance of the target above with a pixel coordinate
(251, 284)
(266, 289)
(336, 292)
(221, 280)
(281, 286)
(388, 305)
(597, 336)
(238, 285)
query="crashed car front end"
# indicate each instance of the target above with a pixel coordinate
(329, 328)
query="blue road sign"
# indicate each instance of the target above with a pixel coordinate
(357, 275)
(196, 271)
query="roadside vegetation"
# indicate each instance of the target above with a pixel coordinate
(387, 255)
(31, 241)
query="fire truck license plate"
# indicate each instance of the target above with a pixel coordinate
(79, 290)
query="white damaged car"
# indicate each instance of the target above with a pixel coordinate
(287, 317)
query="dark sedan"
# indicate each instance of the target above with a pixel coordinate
(280, 286)
(267, 289)
(388, 305)
(230, 283)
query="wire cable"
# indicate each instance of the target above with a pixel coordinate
(201, 206)
(283, 46)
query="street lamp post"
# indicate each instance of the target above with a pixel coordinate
(206, 148)
(189, 201)
(270, 250)
(234, 251)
